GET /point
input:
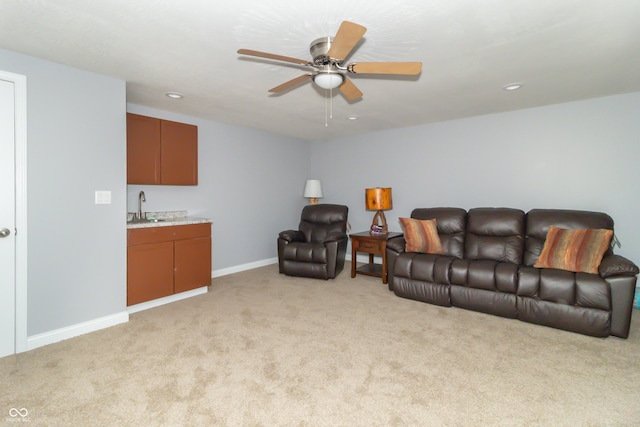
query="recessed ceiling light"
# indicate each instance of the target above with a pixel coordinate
(174, 95)
(352, 117)
(512, 86)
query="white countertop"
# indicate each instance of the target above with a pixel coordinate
(166, 219)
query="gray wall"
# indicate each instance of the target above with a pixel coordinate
(579, 155)
(75, 145)
(250, 183)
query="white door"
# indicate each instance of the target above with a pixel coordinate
(7, 220)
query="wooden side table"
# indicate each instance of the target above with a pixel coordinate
(371, 244)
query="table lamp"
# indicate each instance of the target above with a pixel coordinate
(313, 191)
(378, 199)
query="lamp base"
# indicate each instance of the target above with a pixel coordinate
(313, 200)
(379, 228)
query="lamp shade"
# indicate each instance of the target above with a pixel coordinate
(313, 189)
(378, 199)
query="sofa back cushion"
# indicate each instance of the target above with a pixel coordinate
(495, 234)
(451, 225)
(317, 221)
(540, 220)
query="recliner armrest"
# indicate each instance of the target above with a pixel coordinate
(292, 235)
(334, 237)
(617, 265)
(397, 244)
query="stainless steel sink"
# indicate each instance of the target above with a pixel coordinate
(144, 220)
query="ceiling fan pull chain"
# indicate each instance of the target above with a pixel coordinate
(326, 112)
(331, 103)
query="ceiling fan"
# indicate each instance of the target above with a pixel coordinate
(328, 55)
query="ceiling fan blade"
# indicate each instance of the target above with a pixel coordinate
(348, 35)
(273, 56)
(349, 90)
(411, 68)
(291, 83)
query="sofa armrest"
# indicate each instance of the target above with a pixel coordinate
(616, 265)
(396, 244)
(292, 236)
(395, 247)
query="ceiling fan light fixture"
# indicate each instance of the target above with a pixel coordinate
(328, 79)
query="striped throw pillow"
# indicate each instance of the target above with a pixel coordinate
(574, 250)
(421, 236)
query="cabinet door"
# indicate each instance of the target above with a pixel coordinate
(179, 153)
(149, 272)
(192, 264)
(143, 149)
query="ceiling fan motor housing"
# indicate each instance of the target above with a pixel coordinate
(319, 49)
(327, 76)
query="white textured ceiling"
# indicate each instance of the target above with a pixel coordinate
(562, 50)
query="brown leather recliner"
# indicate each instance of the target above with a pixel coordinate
(318, 248)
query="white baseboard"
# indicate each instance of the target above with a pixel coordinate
(270, 261)
(166, 300)
(243, 267)
(72, 331)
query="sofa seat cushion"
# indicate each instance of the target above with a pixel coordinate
(565, 287)
(424, 267)
(487, 275)
(305, 252)
(423, 277)
(577, 302)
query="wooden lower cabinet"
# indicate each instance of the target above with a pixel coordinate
(149, 272)
(192, 270)
(162, 261)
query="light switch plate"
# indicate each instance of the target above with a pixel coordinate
(103, 197)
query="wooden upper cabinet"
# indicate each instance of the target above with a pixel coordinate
(143, 149)
(179, 153)
(161, 151)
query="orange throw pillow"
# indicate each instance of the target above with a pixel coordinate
(574, 250)
(421, 236)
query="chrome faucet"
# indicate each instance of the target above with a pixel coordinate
(141, 198)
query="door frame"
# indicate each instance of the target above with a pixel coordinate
(21, 302)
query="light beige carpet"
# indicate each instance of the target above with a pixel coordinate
(261, 349)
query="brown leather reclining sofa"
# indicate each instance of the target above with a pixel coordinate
(487, 266)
